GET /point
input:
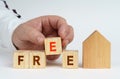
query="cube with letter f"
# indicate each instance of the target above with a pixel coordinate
(21, 59)
(53, 46)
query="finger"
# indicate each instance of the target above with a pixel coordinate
(63, 31)
(34, 36)
(69, 37)
(52, 57)
(53, 21)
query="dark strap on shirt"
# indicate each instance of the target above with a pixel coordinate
(5, 3)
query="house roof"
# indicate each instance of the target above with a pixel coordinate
(95, 34)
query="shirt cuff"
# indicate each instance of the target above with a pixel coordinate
(12, 26)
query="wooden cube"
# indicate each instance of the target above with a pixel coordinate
(96, 51)
(37, 59)
(21, 59)
(70, 59)
(53, 46)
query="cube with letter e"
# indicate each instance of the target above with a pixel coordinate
(70, 59)
(53, 46)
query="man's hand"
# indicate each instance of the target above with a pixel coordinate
(31, 34)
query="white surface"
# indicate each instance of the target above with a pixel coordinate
(53, 70)
(85, 16)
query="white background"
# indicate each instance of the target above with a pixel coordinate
(85, 16)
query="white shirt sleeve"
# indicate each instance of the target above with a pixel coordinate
(8, 23)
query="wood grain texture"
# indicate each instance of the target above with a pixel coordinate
(21, 59)
(37, 59)
(96, 51)
(70, 59)
(53, 46)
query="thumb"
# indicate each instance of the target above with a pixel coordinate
(35, 36)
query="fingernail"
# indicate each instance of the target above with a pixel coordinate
(66, 42)
(62, 33)
(39, 39)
